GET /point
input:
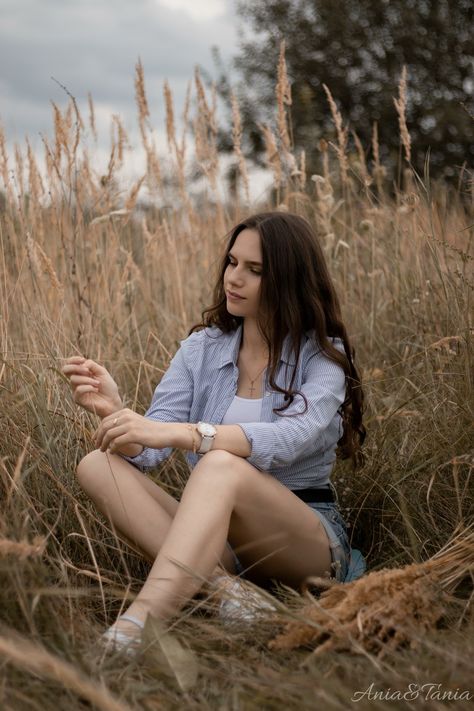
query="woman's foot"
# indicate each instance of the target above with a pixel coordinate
(124, 635)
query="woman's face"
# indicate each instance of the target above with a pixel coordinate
(243, 274)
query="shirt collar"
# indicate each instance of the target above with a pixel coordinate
(231, 347)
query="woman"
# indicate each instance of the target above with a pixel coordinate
(261, 395)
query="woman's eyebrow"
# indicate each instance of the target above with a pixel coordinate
(259, 264)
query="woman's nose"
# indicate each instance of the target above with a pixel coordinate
(236, 275)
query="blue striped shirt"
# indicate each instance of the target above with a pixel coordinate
(201, 383)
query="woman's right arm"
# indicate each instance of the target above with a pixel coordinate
(94, 389)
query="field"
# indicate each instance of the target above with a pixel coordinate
(119, 273)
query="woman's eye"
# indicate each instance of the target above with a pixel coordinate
(254, 271)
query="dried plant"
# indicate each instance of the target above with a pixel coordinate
(205, 134)
(401, 106)
(283, 96)
(237, 140)
(36, 187)
(362, 165)
(41, 263)
(92, 116)
(121, 139)
(170, 127)
(379, 172)
(22, 549)
(384, 609)
(39, 662)
(141, 99)
(272, 155)
(342, 134)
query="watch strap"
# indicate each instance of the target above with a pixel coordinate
(206, 443)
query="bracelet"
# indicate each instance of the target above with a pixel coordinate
(194, 445)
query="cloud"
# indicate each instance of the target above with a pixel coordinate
(93, 45)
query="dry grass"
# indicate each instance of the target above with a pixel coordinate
(384, 609)
(119, 273)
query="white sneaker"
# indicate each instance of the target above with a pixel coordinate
(116, 640)
(241, 603)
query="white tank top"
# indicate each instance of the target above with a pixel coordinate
(243, 409)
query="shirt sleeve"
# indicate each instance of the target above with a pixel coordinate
(171, 402)
(280, 443)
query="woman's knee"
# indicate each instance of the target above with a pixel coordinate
(217, 468)
(93, 469)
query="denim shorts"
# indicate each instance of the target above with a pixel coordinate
(336, 529)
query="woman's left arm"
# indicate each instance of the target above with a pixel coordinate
(228, 437)
(126, 427)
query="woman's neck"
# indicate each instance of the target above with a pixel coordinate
(252, 343)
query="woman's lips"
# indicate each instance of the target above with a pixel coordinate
(235, 297)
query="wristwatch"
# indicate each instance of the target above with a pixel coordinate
(208, 432)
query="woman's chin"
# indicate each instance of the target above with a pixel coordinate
(231, 305)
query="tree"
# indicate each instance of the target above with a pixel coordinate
(358, 48)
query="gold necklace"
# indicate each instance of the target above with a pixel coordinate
(252, 381)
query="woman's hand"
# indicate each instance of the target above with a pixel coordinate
(93, 387)
(126, 427)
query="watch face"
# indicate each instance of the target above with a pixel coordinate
(207, 430)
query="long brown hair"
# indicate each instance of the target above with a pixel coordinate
(296, 295)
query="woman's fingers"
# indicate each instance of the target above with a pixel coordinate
(70, 369)
(81, 389)
(109, 436)
(83, 380)
(95, 368)
(78, 364)
(111, 427)
(74, 360)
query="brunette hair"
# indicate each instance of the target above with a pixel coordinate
(296, 295)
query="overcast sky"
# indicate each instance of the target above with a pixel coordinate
(93, 45)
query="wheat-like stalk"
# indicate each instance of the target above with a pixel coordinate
(140, 97)
(401, 106)
(237, 140)
(366, 179)
(302, 169)
(122, 138)
(35, 181)
(91, 116)
(283, 97)
(170, 127)
(378, 170)
(342, 134)
(133, 195)
(19, 170)
(4, 165)
(40, 262)
(60, 137)
(205, 127)
(272, 156)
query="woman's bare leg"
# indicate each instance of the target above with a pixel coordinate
(225, 495)
(137, 507)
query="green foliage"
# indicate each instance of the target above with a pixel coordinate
(358, 48)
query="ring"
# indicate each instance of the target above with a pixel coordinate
(115, 421)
